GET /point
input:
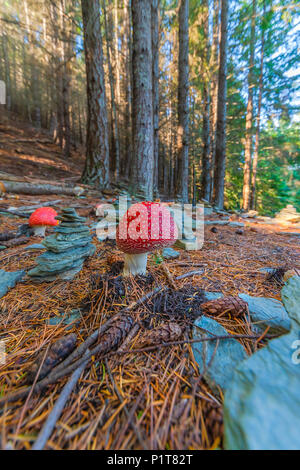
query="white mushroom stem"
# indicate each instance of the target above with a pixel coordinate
(39, 230)
(135, 264)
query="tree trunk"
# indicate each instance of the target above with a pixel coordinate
(206, 162)
(66, 58)
(155, 88)
(30, 188)
(142, 109)
(220, 153)
(128, 89)
(7, 70)
(214, 63)
(96, 169)
(183, 104)
(256, 147)
(115, 163)
(249, 115)
(34, 70)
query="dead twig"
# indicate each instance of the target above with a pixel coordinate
(68, 366)
(56, 411)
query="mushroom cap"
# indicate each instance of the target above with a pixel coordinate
(146, 226)
(43, 216)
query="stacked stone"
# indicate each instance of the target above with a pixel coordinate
(288, 214)
(67, 249)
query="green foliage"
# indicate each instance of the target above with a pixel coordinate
(279, 169)
(278, 178)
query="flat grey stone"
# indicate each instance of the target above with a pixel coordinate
(66, 251)
(224, 222)
(208, 210)
(288, 214)
(263, 311)
(266, 270)
(35, 246)
(9, 280)
(74, 316)
(236, 224)
(212, 295)
(291, 234)
(262, 402)
(290, 295)
(269, 312)
(169, 253)
(188, 245)
(250, 215)
(54, 263)
(73, 241)
(216, 222)
(216, 363)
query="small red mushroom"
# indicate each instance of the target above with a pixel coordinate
(146, 227)
(42, 218)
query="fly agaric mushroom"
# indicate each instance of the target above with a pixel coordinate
(42, 218)
(146, 227)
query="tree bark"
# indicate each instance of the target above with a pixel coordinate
(183, 104)
(66, 58)
(34, 69)
(128, 89)
(155, 88)
(256, 147)
(96, 169)
(6, 70)
(214, 63)
(29, 188)
(142, 109)
(115, 130)
(206, 162)
(249, 115)
(220, 152)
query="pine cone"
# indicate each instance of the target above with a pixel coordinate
(234, 306)
(164, 333)
(115, 334)
(56, 353)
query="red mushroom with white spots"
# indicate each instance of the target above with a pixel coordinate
(42, 218)
(146, 227)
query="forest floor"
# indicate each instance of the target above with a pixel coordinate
(150, 399)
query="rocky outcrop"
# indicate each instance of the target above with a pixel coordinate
(67, 249)
(289, 215)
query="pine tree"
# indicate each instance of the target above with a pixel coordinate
(142, 106)
(183, 104)
(220, 152)
(96, 169)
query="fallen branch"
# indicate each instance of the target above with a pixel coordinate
(109, 341)
(56, 411)
(32, 189)
(16, 242)
(68, 366)
(190, 341)
(31, 208)
(5, 236)
(53, 377)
